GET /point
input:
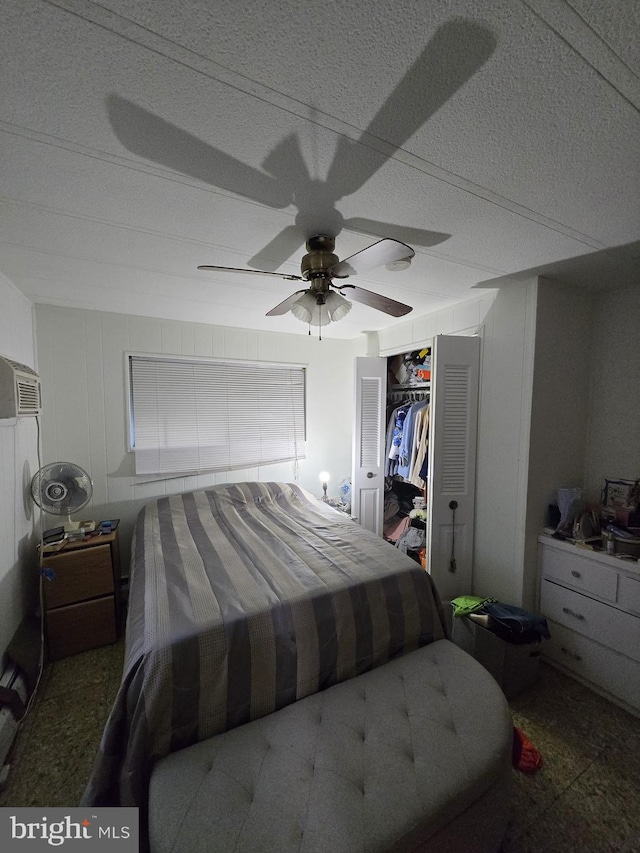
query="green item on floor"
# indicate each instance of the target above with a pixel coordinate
(465, 604)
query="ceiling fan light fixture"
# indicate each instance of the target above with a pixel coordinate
(401, 264)
(304, 307)
(322, 302)
(320, 316)
(337, 306)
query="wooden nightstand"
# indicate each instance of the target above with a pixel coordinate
(82, 597)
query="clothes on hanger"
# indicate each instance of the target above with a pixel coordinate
(395, 429)
(407, 436)
(417, 474)
(407, 442)
(411, 434)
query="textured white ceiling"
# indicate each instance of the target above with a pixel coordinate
(141, 138)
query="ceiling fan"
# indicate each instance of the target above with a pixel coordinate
(323, 302)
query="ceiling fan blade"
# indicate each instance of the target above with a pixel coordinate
(251, 272)
(283, 307)
(383, 252)
(373, 228)
(374, 300)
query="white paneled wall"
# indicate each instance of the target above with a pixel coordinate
(508, 344)
(465, 318)
(560, 407)
(82, 363)
(18, 462)
(613, 443)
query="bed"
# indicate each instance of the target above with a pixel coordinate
(246, 598)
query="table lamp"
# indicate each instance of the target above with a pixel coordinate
(324, 479)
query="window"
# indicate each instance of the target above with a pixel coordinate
(189, 414)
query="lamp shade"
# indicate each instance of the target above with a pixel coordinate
(400, 264)
(304, 307)
(332, 307)
(337, 306)
(320, 316)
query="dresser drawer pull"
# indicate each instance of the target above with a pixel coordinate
(571, 654)
(572, 613)
(575, 574)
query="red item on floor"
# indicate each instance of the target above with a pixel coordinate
(525, 757)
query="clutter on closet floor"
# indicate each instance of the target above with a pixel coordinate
(404, 518)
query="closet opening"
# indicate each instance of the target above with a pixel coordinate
(441, 466)
(406, 459)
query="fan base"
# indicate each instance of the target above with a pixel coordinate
(71, 526)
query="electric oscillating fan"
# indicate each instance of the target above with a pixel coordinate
(62, 488)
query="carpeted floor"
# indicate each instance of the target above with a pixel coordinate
(586, 797)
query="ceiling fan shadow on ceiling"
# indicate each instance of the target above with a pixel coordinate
(324, 302)
(453, 55)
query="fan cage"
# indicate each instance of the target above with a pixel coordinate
(62, 488)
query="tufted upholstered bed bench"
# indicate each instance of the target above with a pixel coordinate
(411, 756)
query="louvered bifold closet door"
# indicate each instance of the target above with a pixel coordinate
(452, 463)
(367, 492)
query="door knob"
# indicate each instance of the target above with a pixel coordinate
(370, 474)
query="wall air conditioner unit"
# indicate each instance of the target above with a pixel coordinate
(19, 389)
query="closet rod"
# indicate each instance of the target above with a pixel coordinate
(425, 386)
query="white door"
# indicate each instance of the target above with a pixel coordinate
(367, 481)
(452, 463)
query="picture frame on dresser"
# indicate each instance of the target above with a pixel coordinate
(617, 493)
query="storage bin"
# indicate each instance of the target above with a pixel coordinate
(514, 666)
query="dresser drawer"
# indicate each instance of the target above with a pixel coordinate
(604, 668)
(579, 572)
(594, 619)
(80, 627)
(78, 575)
(629, 593)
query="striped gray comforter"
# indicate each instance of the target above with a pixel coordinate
(244, 598)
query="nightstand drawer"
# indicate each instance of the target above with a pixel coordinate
(80, 627)
(79, 575)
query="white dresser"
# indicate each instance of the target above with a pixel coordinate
(592, 603)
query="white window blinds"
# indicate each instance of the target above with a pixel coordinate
(207, 415)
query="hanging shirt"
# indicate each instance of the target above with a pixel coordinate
(396, 438)
(420, 446)
(391, 463)
(406, 445)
